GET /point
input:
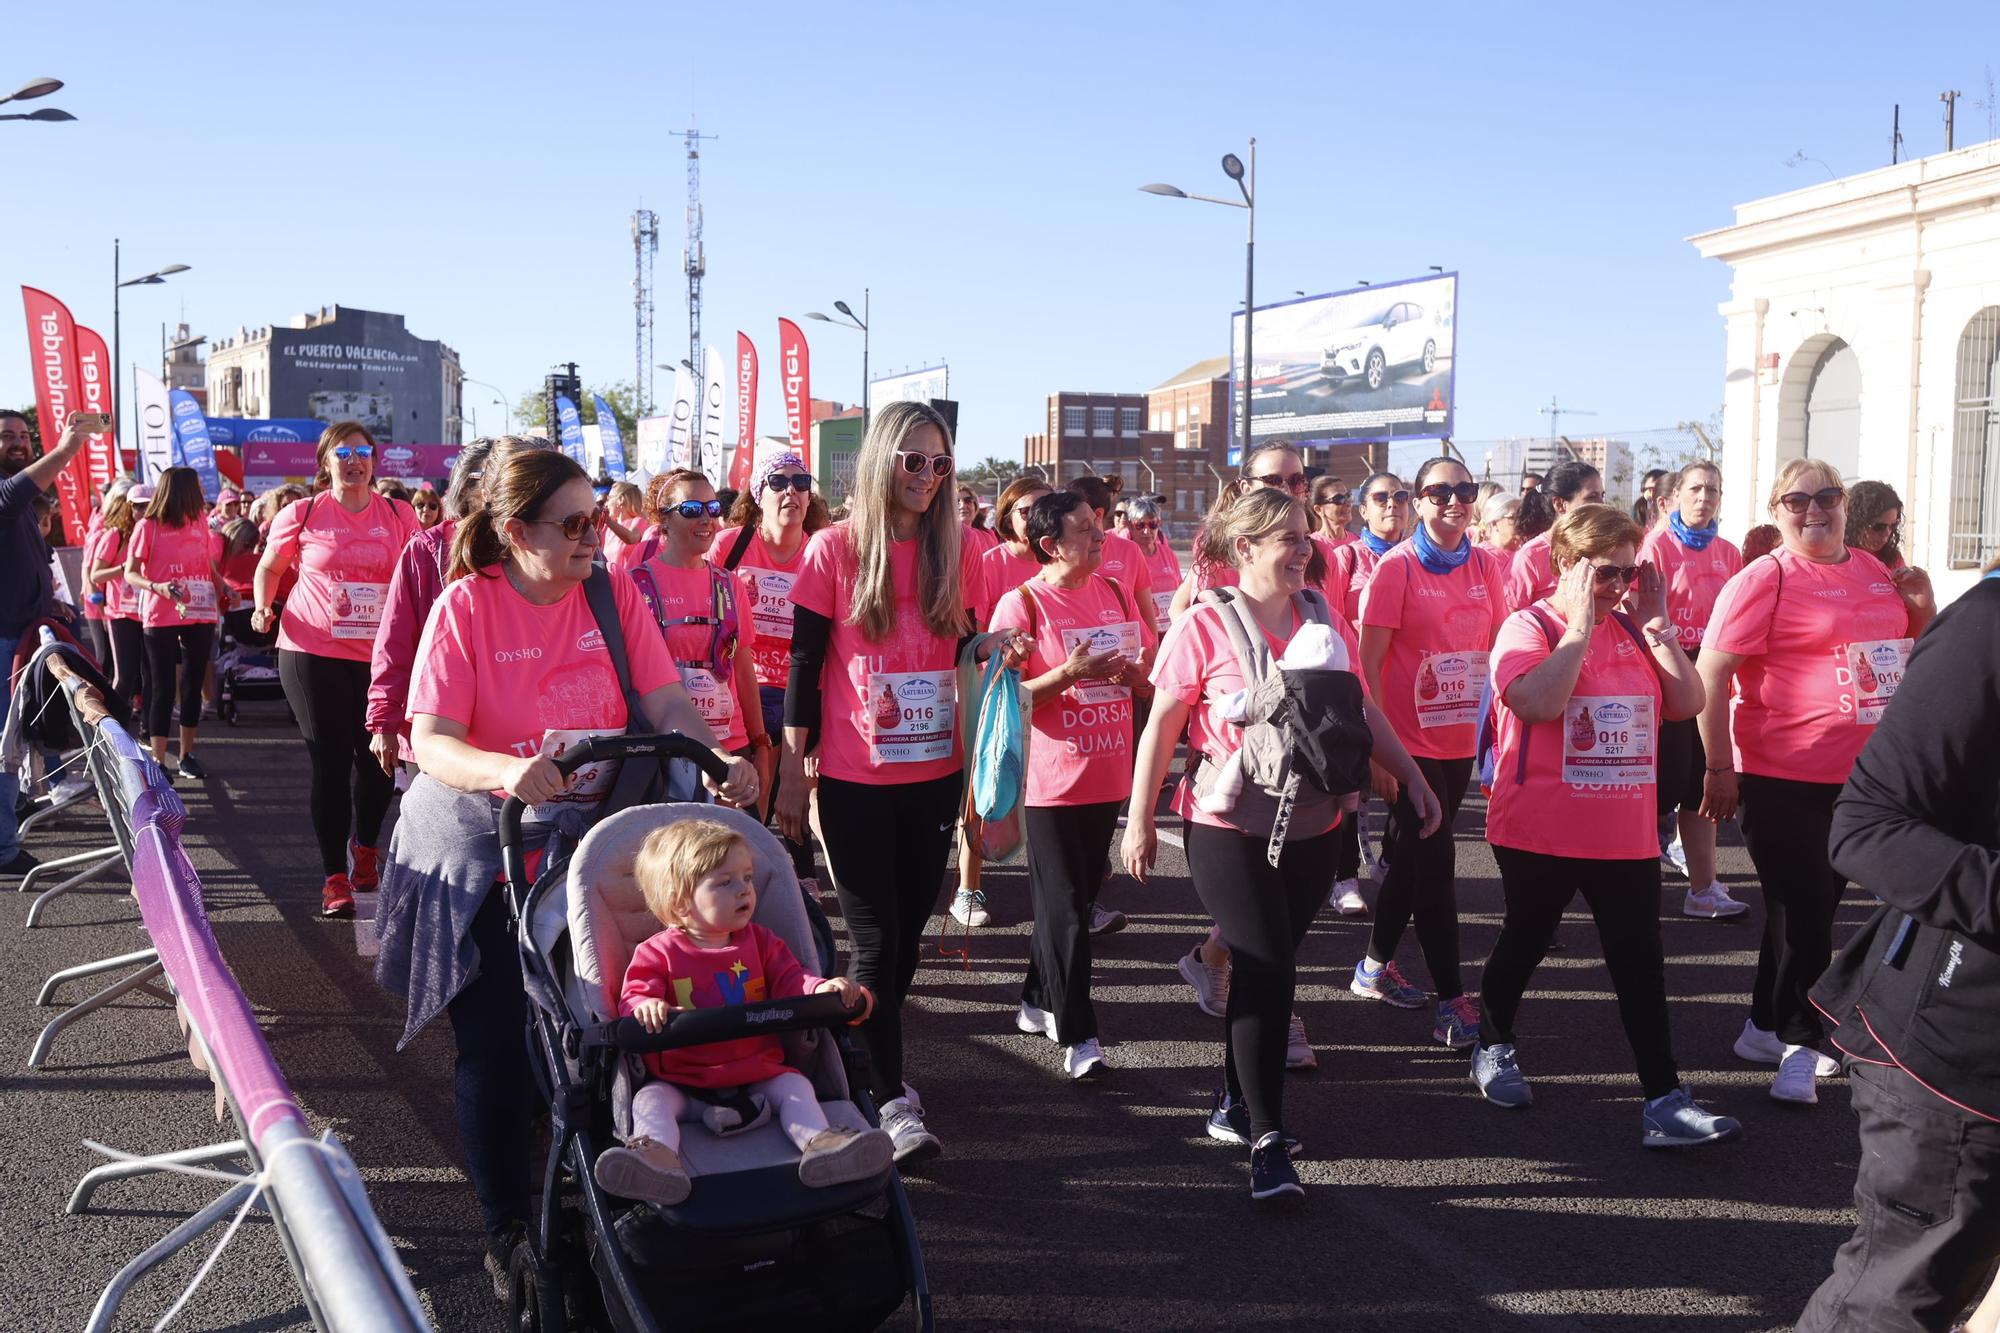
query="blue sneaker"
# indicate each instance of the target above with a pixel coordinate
(1678, 1121)
(1499, 1077)
(1229, 1122)
(1387, 984)
(1272, 1175)
(1457, 1023)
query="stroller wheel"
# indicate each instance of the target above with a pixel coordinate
(534, 1294)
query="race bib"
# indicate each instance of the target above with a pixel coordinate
(1447, 689)
(911, 715)
(1876, 666)
(1608, 740)
(771, 602)
(588, 784)
(1123, 636)
(1162, 604)
(357, 609)
(713, 699)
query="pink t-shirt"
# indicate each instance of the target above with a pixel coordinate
(119, 599)
(527, 679)
(977, 540)
(1444, 625)
(1824, 648)
(184, 555)
(1082, 749)
(630, 555)
(1197, 665)
(344, 562)
(710, 683)
(765, 601)
(1125, 564)
(93, 556)
(889, 708)
(1347, 574)
(1694, 578)
(997, 573)
(1533, 575)
(754, 966)
(1582, 786)
(1163, 573)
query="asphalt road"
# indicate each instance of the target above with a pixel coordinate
(1056, 1205)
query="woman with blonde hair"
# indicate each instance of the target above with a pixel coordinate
(879, 611)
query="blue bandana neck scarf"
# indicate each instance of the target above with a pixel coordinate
(1694, 539)
(1374, 543)
(1438, 561)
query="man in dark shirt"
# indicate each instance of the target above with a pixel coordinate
(25, 590)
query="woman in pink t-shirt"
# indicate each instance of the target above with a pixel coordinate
(1814, 639)
(1092, 643)
(171, 563)
(1142, 519)
(1428, 617)
(1581, 689)
(1333, 513)
(343, 540)
(1264, 911)
(121, 607)
(1385, 521)
(1009, 563)
(879, 610)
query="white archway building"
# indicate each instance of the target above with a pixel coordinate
(1865, 329)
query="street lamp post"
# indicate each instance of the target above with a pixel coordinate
(860, 322)
(31, 89)
(1246, 182)
(506, 413)
(150, 280)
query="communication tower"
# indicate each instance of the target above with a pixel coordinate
(693, 260)
(645, 242)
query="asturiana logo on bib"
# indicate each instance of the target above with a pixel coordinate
(917, 691)
(517, 655)
(1451, 668)
(591, 642)
(777, 585)
(1613, 715)
(1885, 655)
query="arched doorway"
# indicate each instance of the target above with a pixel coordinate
(1833, 409)
(1975, 480)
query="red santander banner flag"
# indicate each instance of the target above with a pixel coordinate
(52, 349)
(746, 412)
(94, 372)
(795, 372)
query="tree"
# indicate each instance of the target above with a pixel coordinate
(532, 410)
(988, 471)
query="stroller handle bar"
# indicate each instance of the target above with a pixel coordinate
(699, 1027)
(672, 745)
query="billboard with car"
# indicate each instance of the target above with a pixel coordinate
(1375, 363)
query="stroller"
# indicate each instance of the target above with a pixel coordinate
(246, 668)
(750, 1246)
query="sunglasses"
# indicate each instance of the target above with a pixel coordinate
(1827, 500)
(1465, 492)
(1290, 481)
(345, 452)
(1890, 528)
(796, 481)
(1388, 497)
(1147, 525)
(694, 509)
(1337, 498)
(913, 462)
(1623, 573)
(572, 527)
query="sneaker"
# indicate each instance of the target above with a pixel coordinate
(70, 787)
(1387, 984)
(1765, 1048)
(1229, 1122)
(22, 863)
(364, 876)
(1211, 984)
(1035, 1022)
(1677, 1120)
(1499, 1077)
(1797, 1072)
(500, 1247)
(336, 898)
(190, 768)
(1673, 852)
(1712, 903)
(1457, 1023)
(1106, 920)
(644, 1171)
(903, 1122)
(1084, 1059)
(968, 907)
(1272, 1175)
(841, 1156)
(1347, 898)
(1298, 1050)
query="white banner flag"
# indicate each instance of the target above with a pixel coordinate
(715, 394)
(681, 426)
(650, 448)
(593, 450)
(155, 426)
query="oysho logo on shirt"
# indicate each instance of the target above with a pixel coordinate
(517, 655)
(592, 641)
(1422, 591)
(1835, 593)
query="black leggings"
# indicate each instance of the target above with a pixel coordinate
(195, 644)
(1264, 913)
(330, 697)
(1786, 825)
(1066, 849)
(128, 658)
(493, 1089)
(886, 849)
(1422, 880)
(1347, 843)
(1624, 900)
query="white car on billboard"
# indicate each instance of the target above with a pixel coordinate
(1397, 335)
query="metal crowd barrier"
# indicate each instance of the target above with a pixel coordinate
(344, 1264)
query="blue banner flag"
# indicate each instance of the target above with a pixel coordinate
(571, 424)
(608, 436)
(192, 445)
(239, 431)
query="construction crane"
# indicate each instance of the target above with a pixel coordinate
(645, 243)
(693, 260)
(1555, 414)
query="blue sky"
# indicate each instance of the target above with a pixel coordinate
(975, 166)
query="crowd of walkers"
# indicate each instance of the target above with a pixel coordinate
(1617, 683)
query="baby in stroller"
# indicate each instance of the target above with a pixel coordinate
(696, 876)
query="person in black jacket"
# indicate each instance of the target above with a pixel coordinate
(1916, 992)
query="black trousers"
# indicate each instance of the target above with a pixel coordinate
(1066, 849)
(194, 645)
(886, 849)
(494, 1093)
(1264, 913)
(1422, 881)
(128, 658)
(771, 698)
(1624, 900)
(1928, 1191)
(350, 791)
(1786, 825)
(1347, 844)
(97, 637)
